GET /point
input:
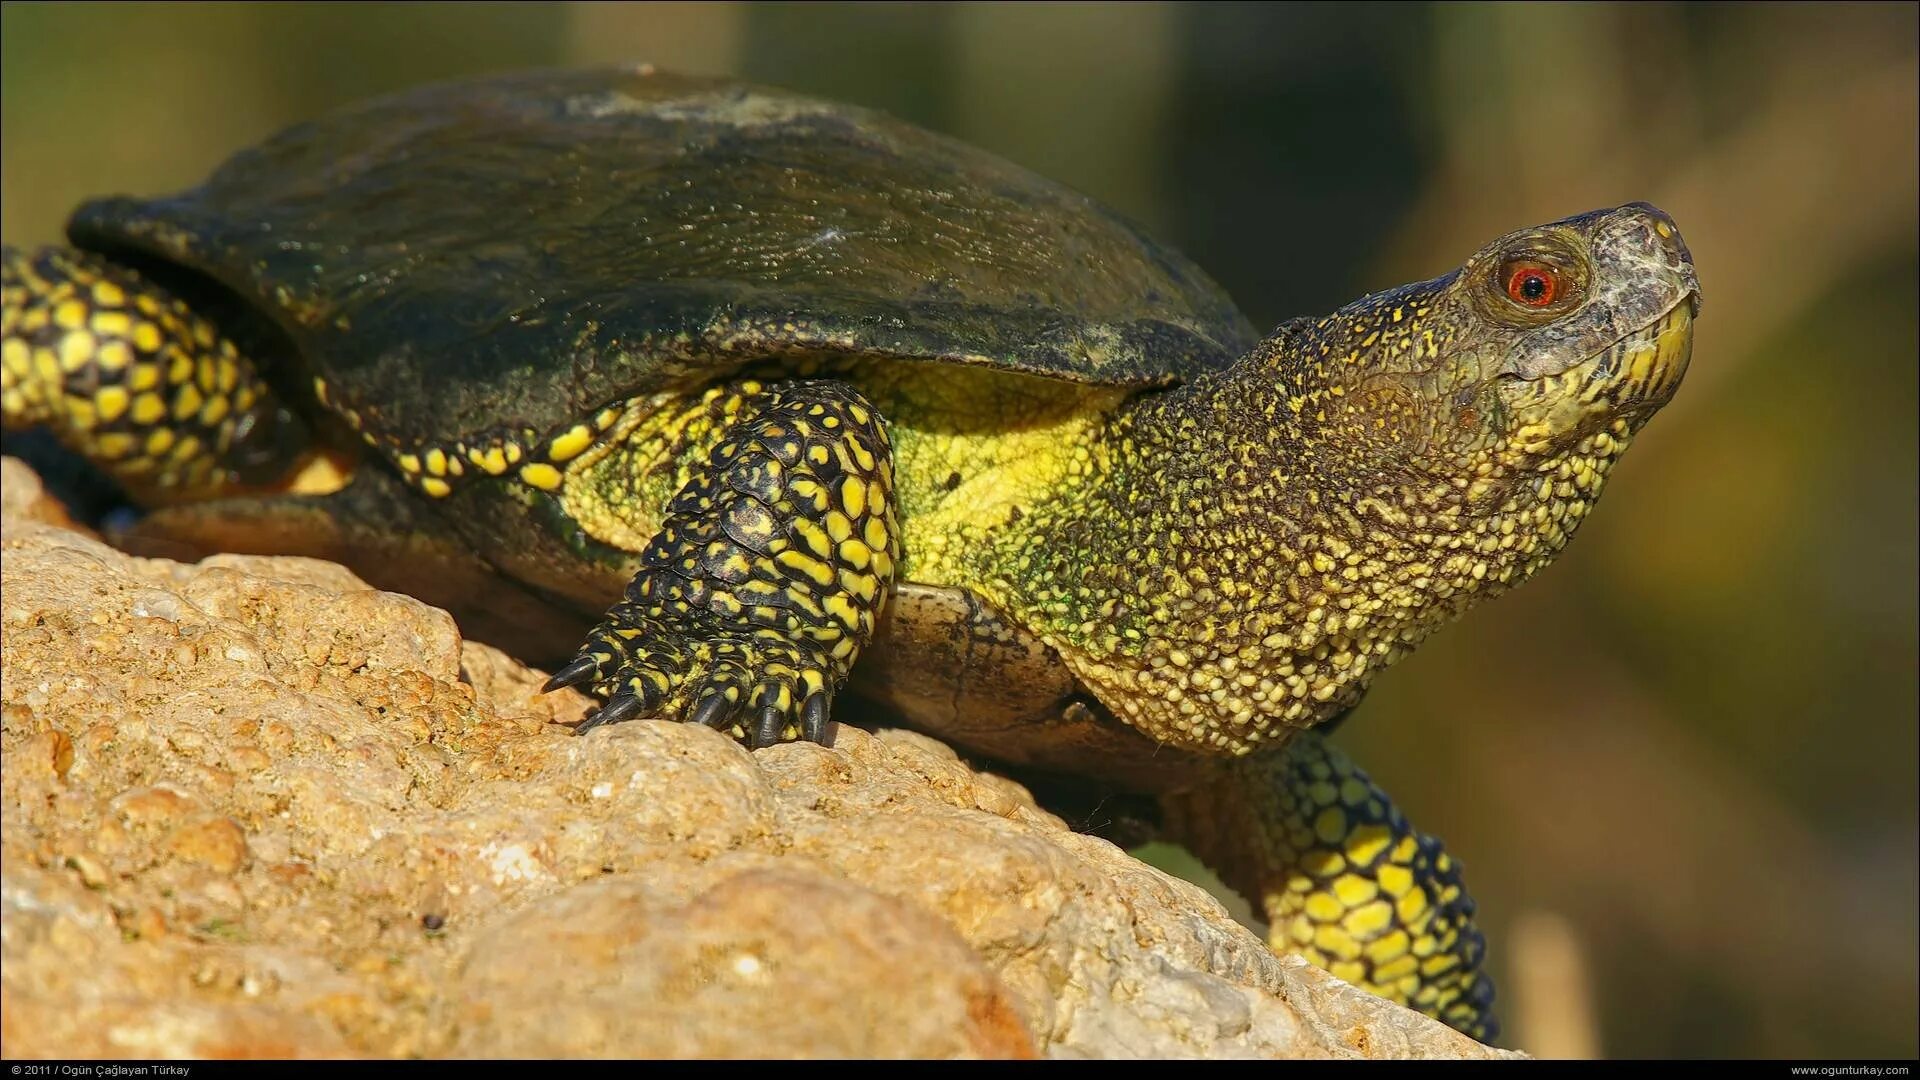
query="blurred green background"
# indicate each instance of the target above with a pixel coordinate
(1681, 766)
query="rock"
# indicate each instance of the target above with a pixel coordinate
(254, 807)
(726, 959)
(24, 498)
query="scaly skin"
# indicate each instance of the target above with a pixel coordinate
(126, 374)
(1229, 561)
(1342, 878)
(767, 574)
(1235, 559)
(1222, 564)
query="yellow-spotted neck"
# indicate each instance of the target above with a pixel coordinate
(1243, 554)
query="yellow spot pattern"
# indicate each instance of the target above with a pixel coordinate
(757, 594)
(1230, 562)
(1374, 902)
(127, 375)
(436, 469)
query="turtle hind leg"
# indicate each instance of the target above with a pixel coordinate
(126, 374)
(767, 576)
(1344, 880)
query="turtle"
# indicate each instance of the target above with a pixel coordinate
(736, 402)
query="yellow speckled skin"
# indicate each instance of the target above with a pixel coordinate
(1216, 565)
(1235, 558)
(767, 572)
(817, 556)
(128, 375)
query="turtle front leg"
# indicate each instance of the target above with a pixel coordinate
(126, 374)
(1343, 879)
(766, 578)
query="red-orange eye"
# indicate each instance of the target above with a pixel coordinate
(1533, 285)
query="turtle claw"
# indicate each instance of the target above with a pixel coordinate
(754, 685)
(717, 702)
(622, 707)
(772, 724)
(714, 711)
(760, 690)
(814, 713)
(582, 669)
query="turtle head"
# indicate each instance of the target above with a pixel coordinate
(1464, 425)
(1544, 339)
(1584, 326)
(1314, 510)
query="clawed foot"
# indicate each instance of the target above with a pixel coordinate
(757, 685)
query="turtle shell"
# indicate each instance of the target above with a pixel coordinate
(515, 252)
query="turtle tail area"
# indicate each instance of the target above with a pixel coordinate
(1343, 879)
(126, 374)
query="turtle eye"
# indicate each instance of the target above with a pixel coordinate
(1533, 284)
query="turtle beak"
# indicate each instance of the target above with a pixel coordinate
(1656, 361)
(1656, 368)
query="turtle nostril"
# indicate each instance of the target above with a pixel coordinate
(1667, 232)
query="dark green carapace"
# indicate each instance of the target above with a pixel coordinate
(735, 403)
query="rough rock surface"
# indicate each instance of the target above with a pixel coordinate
(256, 808)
